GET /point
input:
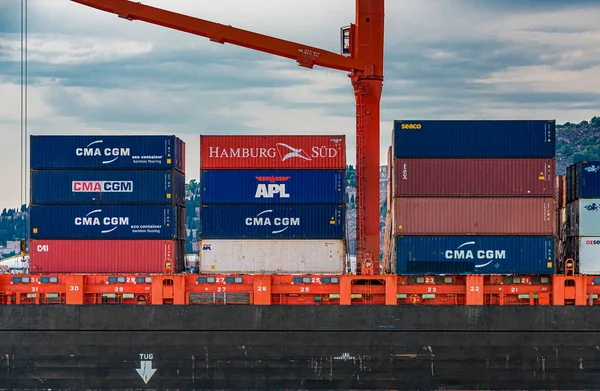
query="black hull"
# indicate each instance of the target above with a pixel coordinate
(253, 347)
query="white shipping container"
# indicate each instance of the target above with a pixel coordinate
(583, 217)
(589, 255)
(272, 256)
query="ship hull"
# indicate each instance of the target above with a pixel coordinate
(316, 347)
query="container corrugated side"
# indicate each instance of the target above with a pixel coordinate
(583, 217)
(474, 255)
(474, 177)
(105, 256)
(272, 187)
(107, 152)
(107, 222)
(272, 222)
(583, 180)
(586, 253)
(474, 139)
(561, 191)
(477, 216)
(561, 223)
(272, 256)
(272, 152)
(94, 187)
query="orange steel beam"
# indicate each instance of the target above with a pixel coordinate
(365, 65)
(270, 289)
(307, 56)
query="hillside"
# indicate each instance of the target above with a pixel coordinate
(574, 142)
(577, 142)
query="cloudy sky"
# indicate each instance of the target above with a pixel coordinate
(91, 72)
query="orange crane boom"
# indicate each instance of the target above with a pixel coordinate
(306, 56)
(364, 60)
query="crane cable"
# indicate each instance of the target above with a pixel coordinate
(24, 220)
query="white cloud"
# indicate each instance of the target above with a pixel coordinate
(436, 51)
(62, 49)
(545, 79)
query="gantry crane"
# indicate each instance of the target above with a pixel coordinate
(361, 55)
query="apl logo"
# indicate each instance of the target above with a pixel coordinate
(206, 247)
(481, 255)
(261, 220)
(592, 168)
(592, 207)
(92, 219)
(291, 152)
(92, 149)
(264, 190)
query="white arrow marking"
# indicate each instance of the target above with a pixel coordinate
(145, 371)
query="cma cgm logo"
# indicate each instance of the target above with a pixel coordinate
(95, 149)
(262, 219)
(484, 256)
(593, 168)
(411, 126)
(102, 186)
(268, 190)
(94, 219)
(595, 242)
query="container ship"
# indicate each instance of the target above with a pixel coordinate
(488, 277)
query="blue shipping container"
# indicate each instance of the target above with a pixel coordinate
(474, 255)
(583, 180)
(107, 222)
(95, 187)
(107, 152)
(474, 139)
(272, 222)
(272, 187)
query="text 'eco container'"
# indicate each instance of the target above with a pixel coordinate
(107, 152)
(272, 187)
(107, 222)
(583, 217)
(474, 177)
(272, 222)
(474, 139)
(474, 255)
(272, 256)
(480, 216)
(105, 256)
(226, 152)
(583, 180)
(107, 187)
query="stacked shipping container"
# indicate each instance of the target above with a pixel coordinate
(272, 204)
(473, 197)
(561, 218)
(107, 204)
(582, 228)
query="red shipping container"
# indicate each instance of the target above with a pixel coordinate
(477, 216)
(223, 152)
(104, 256)
(474, 177)
(561, 191)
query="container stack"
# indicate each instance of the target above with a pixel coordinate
(561, 219)
(272, 204)
(474, 197)
(582, 239)
(107, 204)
